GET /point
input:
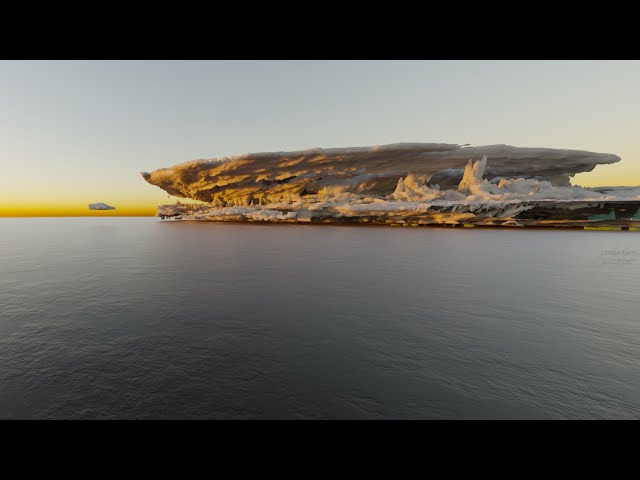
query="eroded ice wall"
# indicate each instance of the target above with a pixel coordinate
(264, 178)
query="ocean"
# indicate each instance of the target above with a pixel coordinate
(138, 318)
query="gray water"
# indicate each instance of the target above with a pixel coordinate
(138, 318)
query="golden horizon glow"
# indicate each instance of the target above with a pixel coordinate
(74, 211)
(69, 208)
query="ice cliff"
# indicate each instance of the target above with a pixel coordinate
(434, 182)
(259, 178)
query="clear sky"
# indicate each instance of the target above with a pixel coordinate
(80, 132)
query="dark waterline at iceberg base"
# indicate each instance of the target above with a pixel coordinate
(136, 318)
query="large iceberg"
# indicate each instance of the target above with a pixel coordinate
(425, 183)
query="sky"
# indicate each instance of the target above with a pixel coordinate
(80, 132)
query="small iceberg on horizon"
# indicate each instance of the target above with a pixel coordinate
(100, 206)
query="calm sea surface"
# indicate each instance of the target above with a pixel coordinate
(138, 318)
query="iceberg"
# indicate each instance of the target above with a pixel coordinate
(417, 183)
(100, 206)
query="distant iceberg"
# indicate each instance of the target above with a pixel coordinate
(100, 206)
